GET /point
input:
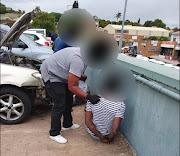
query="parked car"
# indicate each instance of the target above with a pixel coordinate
(21, 82)
(26, 47)
(50, 41)
(40, 31)
(37, 37)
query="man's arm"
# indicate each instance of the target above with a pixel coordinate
(74, 87)
(92, 128)
(114, 129)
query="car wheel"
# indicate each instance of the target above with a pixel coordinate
(15, 105)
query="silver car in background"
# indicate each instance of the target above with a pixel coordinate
(26, 47)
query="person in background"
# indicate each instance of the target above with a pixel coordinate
(53, 36)
(49, 34)
(59, 44)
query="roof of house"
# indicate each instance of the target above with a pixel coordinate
(12, 16)
(130, 27)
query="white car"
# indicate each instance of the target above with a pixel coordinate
(20, 86)
(40, 31)
(37, 37)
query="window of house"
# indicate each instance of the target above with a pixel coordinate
(124, 31)
(166, 51)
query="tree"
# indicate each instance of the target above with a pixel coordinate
(119, 23)
(139, 20)
(159, 23)
(47, 23)
(135, 24)
(118, 16)
(75, 4)
(176, 29)
(56, 16)
(2, 8)
(37, 9)
(114, 22)
(103, 23)
(128, 22)
(148, 23)
(19, 11)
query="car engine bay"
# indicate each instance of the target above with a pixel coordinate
(18, 60)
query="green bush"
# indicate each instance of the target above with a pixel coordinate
(43, 20)
(161, 38)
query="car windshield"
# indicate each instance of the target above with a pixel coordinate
(24, 37)
(44, 37)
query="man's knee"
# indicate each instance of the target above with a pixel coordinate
(58, 108)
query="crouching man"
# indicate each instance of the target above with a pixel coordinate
(103, 119)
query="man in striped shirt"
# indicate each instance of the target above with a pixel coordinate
(103, 119)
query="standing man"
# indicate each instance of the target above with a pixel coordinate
(61, 73)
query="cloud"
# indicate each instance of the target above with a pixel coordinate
(166, 10)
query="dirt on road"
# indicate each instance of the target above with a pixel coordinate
(31, 138)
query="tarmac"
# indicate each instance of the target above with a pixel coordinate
(31, 138)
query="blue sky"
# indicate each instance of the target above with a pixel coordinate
(167, 10)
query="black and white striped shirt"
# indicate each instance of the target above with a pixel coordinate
(104, 113)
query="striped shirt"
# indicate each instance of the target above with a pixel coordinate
(104, 113)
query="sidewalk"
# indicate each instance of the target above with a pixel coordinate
(31, 138)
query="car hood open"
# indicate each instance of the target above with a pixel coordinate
(16, 30)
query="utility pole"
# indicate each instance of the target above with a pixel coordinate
(122, 28)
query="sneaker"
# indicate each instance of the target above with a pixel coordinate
(60, 139)
(74, 126)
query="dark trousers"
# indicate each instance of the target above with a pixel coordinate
(63, 101)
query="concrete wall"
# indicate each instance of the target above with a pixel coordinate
(151, 123)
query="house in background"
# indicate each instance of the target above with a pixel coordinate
(135, 32)
(175, 37)
(9, 18)
(139, 35)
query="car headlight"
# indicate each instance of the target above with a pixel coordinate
(37, 75)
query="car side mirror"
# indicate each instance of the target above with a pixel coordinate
(22, 45)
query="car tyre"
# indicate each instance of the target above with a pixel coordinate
(15, 105)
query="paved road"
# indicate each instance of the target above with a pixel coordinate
(31, 138)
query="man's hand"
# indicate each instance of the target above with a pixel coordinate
(83, 77)
(93, 98)
(115, 128)
(105, 140)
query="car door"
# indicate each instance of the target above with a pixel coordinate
(22, 51)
